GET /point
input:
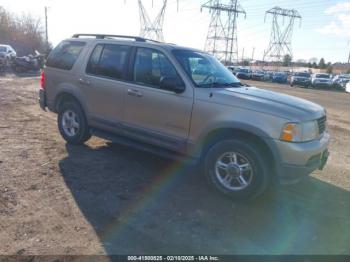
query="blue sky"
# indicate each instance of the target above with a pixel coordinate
(325, 29)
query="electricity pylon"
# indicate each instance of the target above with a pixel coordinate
(152, 29)
(222, 34)
(281, 35)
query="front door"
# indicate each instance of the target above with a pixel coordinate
(152, 114)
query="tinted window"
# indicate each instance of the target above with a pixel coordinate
(65, 55)
(2, 49)
(109, 61)
(150, 66)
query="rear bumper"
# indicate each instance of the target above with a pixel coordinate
(42, 99)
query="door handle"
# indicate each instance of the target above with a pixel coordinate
(84, 81)
(133, 92)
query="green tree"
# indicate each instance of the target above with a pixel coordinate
(287, 60)
(322, 63)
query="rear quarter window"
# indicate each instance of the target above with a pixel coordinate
(65, 55)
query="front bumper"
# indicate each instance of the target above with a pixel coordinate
(301, 159)
(301, 82)
(324, 84)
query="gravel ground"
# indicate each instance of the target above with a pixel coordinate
(103, 198)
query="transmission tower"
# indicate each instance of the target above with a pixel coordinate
(152, 29)
(281, 34)
(222, 34)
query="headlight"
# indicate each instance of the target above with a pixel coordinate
(295, 132)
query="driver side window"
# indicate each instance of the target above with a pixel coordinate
(151, 66)
(200, 68)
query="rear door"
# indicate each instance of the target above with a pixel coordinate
(104, 86)
(154, 115)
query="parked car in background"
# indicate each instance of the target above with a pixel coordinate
(340, 81)
(7, 53)
(301, 78)
(347, 87)
(234, 69)
(244, 73)
(258, 75)
(182, 102)
(321, 80)
(279, 77)
(268, 75)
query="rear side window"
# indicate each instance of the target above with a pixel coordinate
(65, 55)
(108, 60)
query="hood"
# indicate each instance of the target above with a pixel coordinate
(269, 102)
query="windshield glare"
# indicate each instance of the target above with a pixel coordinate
(205, 70)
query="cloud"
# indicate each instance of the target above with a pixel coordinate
(340, 26)
(338, 8)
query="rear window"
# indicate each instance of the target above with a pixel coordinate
(65, 55)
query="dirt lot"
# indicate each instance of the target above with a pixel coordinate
(105, 198)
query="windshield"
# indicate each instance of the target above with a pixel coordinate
(244, 70)
(302, 74)
(323, 76)
(2, 49)
(205, 70)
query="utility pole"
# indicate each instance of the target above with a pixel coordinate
(46, 31)
(281, 36)
(222, 33)
(251, 62)
(243, 56)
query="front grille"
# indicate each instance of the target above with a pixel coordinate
(322, 124)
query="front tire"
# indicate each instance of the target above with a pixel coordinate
(72, 123)
(237, 169)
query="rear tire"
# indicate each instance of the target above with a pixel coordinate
(72, 123)
(234, 181)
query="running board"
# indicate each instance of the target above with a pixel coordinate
(118, 139)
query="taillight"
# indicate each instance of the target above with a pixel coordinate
(42, 80)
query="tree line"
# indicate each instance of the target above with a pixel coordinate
(24, 33)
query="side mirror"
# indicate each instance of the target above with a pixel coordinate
(172, 84)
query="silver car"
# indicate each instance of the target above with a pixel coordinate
(183, 103)
(321, 80)
(7, 53)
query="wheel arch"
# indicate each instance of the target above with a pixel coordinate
(65, 96)
(244, 131)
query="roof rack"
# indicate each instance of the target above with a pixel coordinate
(102, 36)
